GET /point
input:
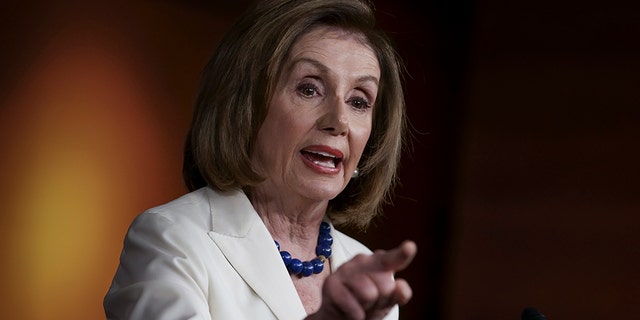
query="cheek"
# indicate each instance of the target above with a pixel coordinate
(359, 137)
(280, 135)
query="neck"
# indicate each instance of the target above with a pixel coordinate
(293, 224)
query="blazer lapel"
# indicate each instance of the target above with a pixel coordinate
(242, 237)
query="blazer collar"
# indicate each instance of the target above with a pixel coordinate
(236, 226)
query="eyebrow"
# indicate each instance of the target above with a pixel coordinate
(324, 69)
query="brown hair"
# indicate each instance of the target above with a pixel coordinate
(236, 87)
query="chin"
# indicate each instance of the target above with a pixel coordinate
(322, 194)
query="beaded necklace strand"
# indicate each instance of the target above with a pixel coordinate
(315, 265)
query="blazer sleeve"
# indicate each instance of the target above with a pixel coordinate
(160, 275)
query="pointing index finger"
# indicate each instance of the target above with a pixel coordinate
(399, 257)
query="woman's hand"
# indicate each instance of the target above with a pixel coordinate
(364, 287)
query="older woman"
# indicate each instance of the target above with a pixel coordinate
(297, 129)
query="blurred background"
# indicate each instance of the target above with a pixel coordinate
(520, 185)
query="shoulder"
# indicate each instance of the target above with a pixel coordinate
(191, 202)
(191, 210)
(197, 211)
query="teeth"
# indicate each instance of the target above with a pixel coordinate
(322, 158)
(324, 154)
(328, 164)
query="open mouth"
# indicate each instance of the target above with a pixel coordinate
(321, 158)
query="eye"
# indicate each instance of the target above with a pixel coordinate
(359, 103)
(307, 90)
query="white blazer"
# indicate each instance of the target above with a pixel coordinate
(208, 255)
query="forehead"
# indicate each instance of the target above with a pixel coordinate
(326, 43)
(331, 32)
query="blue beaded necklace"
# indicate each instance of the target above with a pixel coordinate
(316, 265)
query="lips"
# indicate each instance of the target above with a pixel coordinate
(322, 158)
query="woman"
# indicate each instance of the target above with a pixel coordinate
(297, 129)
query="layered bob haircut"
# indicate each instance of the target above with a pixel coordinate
(237, 85)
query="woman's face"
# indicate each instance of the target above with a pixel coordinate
(319, 119)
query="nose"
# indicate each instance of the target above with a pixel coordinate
(335, 119)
